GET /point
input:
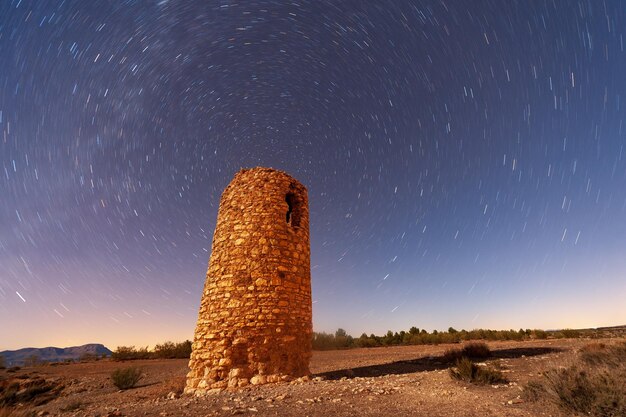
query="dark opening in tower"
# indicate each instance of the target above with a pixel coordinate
(293, 210)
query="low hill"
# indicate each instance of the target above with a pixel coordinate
(53, 354)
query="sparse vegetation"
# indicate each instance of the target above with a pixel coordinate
(468, 371)
(452, 355)
(126, 378)
(167, 350)
(2, 363)
(170, 350)
(416, 336)
(592, 386)
(474, 350)
(128, 353)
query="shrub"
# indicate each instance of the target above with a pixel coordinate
(468, 371)
(2, 363)
(596, 354)
(570, 333)
(126, 353)
(452, 355)
(477, 350)
(126, 378)
(593, 386)
(170, 350)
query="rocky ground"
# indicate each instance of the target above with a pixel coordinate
(402, 381)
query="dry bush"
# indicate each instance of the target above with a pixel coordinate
(477, 350)
(126, 378)
(592, 386)
(474, 350)
(130, 353)
(596, 354)
(468, 371)
(452, 355)
(171, 350)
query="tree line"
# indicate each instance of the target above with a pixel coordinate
(415, 336)
(166, 350)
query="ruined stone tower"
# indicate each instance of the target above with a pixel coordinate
(255, 321)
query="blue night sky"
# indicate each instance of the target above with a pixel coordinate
(465, 161)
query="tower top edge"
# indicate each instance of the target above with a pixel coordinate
(265, 171)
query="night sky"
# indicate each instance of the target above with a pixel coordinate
(465, 161)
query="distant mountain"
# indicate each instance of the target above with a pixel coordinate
(53, 354)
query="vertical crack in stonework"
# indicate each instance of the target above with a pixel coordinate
(255, 319)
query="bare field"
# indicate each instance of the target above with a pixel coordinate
(401, 381)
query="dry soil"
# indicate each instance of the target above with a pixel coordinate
(396, 381)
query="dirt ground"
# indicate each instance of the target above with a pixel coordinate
(398, 381)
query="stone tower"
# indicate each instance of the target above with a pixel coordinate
(255, 321)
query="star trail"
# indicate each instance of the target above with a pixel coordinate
(465, 160)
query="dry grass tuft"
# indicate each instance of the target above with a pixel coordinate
(468, 371)
(126, 378)
(593, 386)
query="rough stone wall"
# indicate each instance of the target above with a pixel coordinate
(255, 320)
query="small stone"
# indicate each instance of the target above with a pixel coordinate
(258, 380)
(214, 391)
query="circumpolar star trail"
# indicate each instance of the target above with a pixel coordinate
(472, 153)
